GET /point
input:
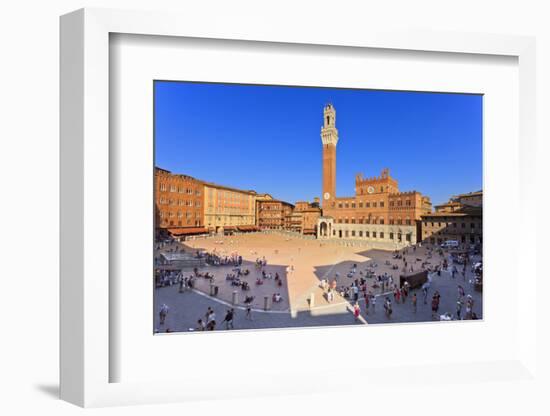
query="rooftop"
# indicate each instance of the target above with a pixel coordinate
(270, 201)
(179, 175)
(475, 193)
(229, 188)
(464, 212)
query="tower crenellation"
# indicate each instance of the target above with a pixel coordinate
(329, 133)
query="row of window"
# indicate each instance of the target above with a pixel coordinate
(360, 221)
(232, 195)
(230, 210)
(399, 203)
(400, 222)
(179, 202)
(178, 214)
(231, 220)
(373, 221)
(451, 224)
(374, 204)
(369, 234)
(196, 223)
(181, 190)
(228, 205)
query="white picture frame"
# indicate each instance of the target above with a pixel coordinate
(86, 355)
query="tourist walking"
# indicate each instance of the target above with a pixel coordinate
(470, 301)
(388, 307)
(356, 311)
(207, 314)
(435, 305)
(425, 293)
(458, 309)
(200, 325)
(163, 312)
(211, 321)
(248, 312)
(229, 319)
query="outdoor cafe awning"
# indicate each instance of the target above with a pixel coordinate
(247, 228)
(176, 232)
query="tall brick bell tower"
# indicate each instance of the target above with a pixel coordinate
(329, 137)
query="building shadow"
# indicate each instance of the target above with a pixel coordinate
(315, 318)
(340, 311)
(268, 287)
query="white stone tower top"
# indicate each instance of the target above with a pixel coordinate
(329, 133)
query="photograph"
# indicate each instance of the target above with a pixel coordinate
(295, 206)
(275, 207)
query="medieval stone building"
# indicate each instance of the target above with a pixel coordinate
(378, 212)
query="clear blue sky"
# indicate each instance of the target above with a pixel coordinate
(267, 138)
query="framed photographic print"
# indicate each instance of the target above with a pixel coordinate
(229, 256)
(270, 200)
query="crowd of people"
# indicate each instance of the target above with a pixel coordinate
(366, 283)
(165, 278)
(217, 259)
(209, 322)
(235, 278)
(389, 288)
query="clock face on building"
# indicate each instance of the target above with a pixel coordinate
(326, 196)
(370, 189)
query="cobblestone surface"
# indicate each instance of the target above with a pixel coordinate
(186, 308)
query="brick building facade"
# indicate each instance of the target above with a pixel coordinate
(304, 217)
(178, 203)
(228, 208)
(472, 199)
(377, 212)
(274, 215)
(460, 219)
